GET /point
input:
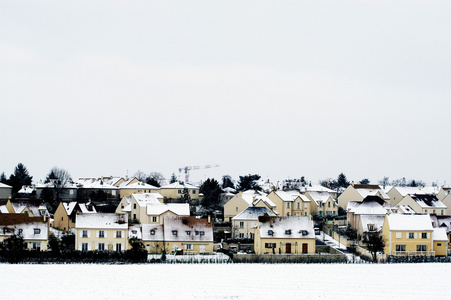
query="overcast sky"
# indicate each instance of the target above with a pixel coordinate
(283, 89)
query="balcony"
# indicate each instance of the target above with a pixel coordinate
(413, 253)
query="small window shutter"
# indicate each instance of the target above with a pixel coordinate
(97, 246)
(407, 235)
(89, 233)
(105, 234)
(429, 235)
(97, 234)
(89, 245)
(81, 234)
(415, 235)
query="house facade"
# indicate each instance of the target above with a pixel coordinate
(244, 224)
(5, 191)
(64, 217)
(33, 230)
(358, 192)
(424, 204)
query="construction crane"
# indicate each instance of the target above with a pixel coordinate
(187, 169)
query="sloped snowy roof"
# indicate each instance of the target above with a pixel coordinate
(316, 188)
(134, 231)
(139, 185)
(102, 220)
(442, 221)
(428, 201)
(439, 234)
(87, 208)
(229, 190)
(293, 227)
(36, 207)
(69, 207)
(15, 222)
(369, 208)
(287, 197)
(252, 213)
(4, 186)
(187, 229)
(366, 190)
(319, 196)
(147, 198)
(409, 222)
(27, 189)
(152, 232)
(180, 209)
(377, 221)
(177, 185)
(407, 190)
(406, 209)
(3, 209)
(93, 183)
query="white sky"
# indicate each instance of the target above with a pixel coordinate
(278, 88)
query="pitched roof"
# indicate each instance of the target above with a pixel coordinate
(252, 213)
(407, 190)
(320, 196)
(5, 186)
(366, 190)
(406, 209)
(428, 201)
(439, 234)
(152, 232)
(180, 209)
(102, 220)
(376, 220)
(139, 185)
(187, 229)
(292, 227)
(36, 207)
(409, 222)
(177, 185)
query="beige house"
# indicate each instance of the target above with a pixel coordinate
(153, 238)
(290, 203)
(175, 191)
(34, 230)
(397, 193)
(244, 224)
(34, 208)
(447, 202)
(102, 232)
(137, 188)
(135, 205)
(443, 192)
(157, 211)
(411, 235)
(424, 204)
(322, 203)
(284, 235)
(64, 217)
(243, 200)
(358, 192)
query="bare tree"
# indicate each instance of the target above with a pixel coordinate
(58, 179)
(140, 175)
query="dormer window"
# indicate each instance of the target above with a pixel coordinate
(152, 232)
(188, 232)
(371, 227)
(304, 232)
(270, 232)
(134, 231)
(288, 232)
(174, 232)
(202, 233)
(37, 231)
(20, 231)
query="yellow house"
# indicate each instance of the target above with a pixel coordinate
(322, 203)
(408, 235)
(137, 188)
(102, 232)
(424, 204)
(153, 238)
(285, 235)
(440, 241)
(243, 200)
(443, 192)
(358, 192)
(244, 224)
(34, 208)
(175, 190)
(397, 193)
(156, 212)
(34, 230)
(368, 216)
(64, 217)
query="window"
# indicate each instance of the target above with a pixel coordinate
(194, 192)
(134, 205)
(241, 235)
(439, 244)
(304, 232)
(400, 247)
(411, 235)
(299, 205)
(154, 219)
(188, 232)
(424, 235)
(422, 248)
(202, 233)
(62, 218)
(37, 231)
(270, 245)
(398, 235)
(101, 247)
(134, 231)
(101, 234)
(197, 232)
(236, 208)
(113, 193)
(118, 234)
(118, 247)
(288, 204)
(371, 227)
(328, 204)
(180, 191)
(84, 247)
(288, 232)
(188, 246)
(305, 205)
(441, 212)
(152, 232)
(270, 232)
(20, 231)
(122, 206)
(241, 224)
(85, 233)
(134, 216)
(174, 232)
(37, 246)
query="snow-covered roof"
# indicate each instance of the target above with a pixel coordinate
(229, 190)
(252, 213)
(442, 221)
(428, 201)
(177, 185)
(152, 232)
(180, 209)
(187, 229)
(319, 196)
(409, 222)
(376, 220)
(24, 225)
(406, 209)
(99, 183)
(293, 227)
(366, 190)
(69, 207)
(27, 189)
(4, 186)
(316, 188)
(134, 231)
(439, 234)
(139, 185)
(87, 208)
(102, 220)
(368, 208)
(36, 207)
(408, 190)
(287, 197)
(145, 198)
(3, 209)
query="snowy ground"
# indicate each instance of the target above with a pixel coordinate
(227, 281)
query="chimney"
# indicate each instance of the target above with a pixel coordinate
(352, 183)
(209, 219)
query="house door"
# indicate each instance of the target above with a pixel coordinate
(201, 249)
(304, 248)
(288, 248)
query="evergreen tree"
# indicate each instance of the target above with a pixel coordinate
(364, 181)
(249, 182)
(19, 178)
(374, 243)
(3, 178)
(212, 191)
(173, 178)
(227, 182)
(342, 181)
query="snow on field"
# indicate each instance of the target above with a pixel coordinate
(226, 281)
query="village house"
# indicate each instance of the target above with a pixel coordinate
(284, 235)
(243, 200)
(447, 202)
(424, 204)
(443, 192)
(136, 188)
(444, 222)
(358, 192)
(33, 230)
(397, 193)
(290, 203)
(411, 235)
(5, 191)
(135, 205)
(101, 231)
(244, 224)
(323, 203)
(176, 191)
(31, 207)
(64, 217)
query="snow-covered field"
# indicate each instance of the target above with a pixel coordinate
(226, 281)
